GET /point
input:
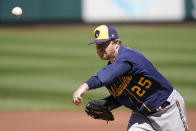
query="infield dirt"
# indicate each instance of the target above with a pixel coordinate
(69, 121)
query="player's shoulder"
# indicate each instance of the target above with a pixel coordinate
(128, 52)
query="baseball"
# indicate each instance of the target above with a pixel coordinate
(16, 12)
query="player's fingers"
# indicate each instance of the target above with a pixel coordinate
(77, 100)
(74, 99)
(77, 103)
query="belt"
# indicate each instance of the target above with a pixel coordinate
(163, 106)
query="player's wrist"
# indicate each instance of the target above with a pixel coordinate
(85, 86)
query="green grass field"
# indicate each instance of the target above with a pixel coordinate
(40, 67)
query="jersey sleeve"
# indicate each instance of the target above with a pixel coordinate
(108, 74)
(94, 82)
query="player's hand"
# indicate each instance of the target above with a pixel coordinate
(79, 93)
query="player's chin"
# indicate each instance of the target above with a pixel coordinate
(103, 57)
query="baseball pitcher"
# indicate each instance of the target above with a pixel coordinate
(133, 82)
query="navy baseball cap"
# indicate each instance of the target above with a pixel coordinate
(104, 33)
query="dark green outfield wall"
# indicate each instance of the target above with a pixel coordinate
(46, 11)
(42, 10)
(190, 10)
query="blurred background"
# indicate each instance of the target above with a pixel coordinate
(44, 54)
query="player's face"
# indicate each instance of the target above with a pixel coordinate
(106, 50)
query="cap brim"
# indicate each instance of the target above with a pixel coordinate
(98, 41)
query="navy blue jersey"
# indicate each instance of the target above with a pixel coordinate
(133, 81)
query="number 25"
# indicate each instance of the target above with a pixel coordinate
(142, 83)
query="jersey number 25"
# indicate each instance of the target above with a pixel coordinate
(143, 84)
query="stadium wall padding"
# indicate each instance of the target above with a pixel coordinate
(42, 10)
(190, 6)
(49, 11)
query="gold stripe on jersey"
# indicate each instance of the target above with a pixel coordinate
(138, 100)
